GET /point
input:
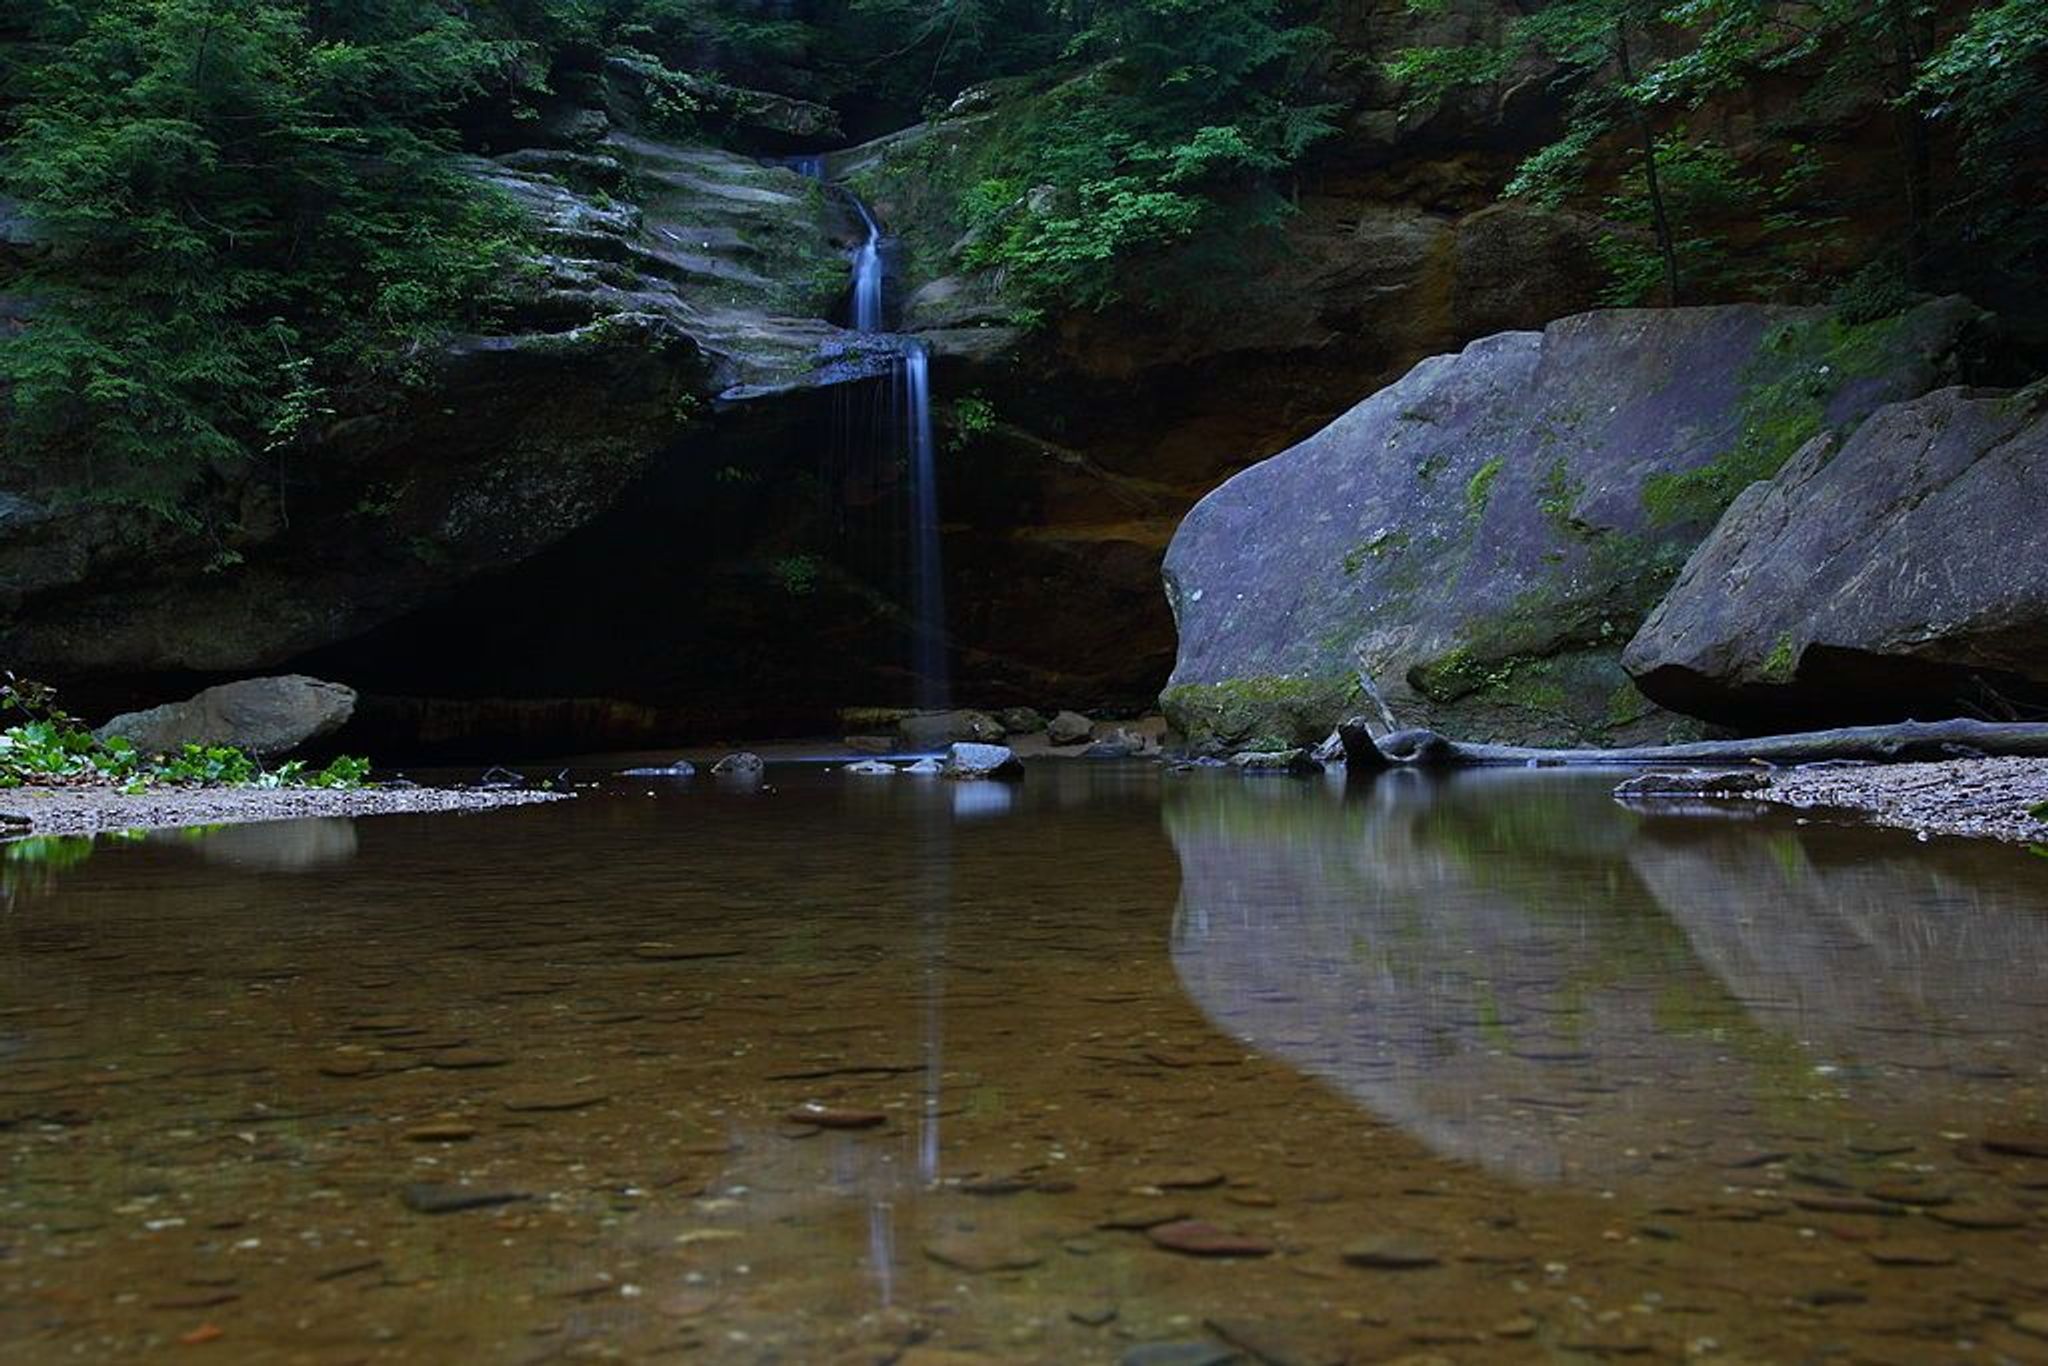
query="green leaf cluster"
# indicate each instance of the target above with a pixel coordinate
(1176, 131)
(47, 746)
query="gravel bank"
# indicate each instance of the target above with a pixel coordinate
(89, 810)
(1983, 798)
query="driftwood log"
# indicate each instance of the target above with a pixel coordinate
(1905, 742)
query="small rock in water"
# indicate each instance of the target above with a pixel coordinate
(1199, 1238)
(1276, 761)
(430, 1198)
(925, 768)
(1092, 1315)
(1694, 784)
(741, 765)
(1983, 1218)
(2018, 1143)
(465, 1059)
(969, 762)
(1069, 728)
(972, 1252)
(1911, 1254)
(872, 768)
(1389, 1254)
(681, 768)
(1118, 744)
(835, 1117)
(1178, 1354)
(547, 1102)
(450, 1132)
(1141, 1217)
(1181, 1178)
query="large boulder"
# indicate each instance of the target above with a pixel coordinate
(1479, 539)
(1901, 572)
(262, 716)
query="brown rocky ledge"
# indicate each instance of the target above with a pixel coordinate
(1981, 798)
(91, 810)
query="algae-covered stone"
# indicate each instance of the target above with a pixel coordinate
(1480, 538)
(1259, 713)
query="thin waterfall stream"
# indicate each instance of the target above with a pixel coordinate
(912, 429)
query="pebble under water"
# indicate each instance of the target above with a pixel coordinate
(1118, 1065)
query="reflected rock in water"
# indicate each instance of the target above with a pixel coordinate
(1521, 973)
(299, 846)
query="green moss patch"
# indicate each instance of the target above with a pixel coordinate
(1265, 711)
(1798, 368)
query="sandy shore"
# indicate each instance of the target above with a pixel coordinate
(90, 810)
(1982, 798)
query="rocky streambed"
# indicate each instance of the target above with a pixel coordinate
(1984, 798)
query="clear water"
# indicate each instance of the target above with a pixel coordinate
(1739, 1089)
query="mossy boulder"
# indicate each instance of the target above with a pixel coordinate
(1481, 538)
(1899, 573)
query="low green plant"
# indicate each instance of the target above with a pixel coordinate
(49, 746)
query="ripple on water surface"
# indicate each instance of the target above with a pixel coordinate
(1122, 1066)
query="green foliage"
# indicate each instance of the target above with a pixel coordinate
(47, 746)
(1174, 135)
(973, 417)
(798, 574)
(250, 204)
(1632, 71)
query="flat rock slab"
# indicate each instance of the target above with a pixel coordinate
(836, 1117)
(430, 1198)
(980, 1253)
(1178, 1354)
(1911, 1254)
(440, 1133)
(1389, 1254)
(1198, 1238)
(547, 1102)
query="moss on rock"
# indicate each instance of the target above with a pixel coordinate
(1261, 712)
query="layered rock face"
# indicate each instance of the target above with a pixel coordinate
(1480, 539)
(671, 280)
(1901, 572)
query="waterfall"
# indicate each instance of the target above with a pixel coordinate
(911, 408)
(927, 587)
(867, 274)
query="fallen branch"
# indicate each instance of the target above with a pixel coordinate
(1905, 742)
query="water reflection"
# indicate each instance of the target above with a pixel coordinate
(1523, 974)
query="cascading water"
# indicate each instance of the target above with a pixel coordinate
(912, 410)
(927, 587)
(867, 273)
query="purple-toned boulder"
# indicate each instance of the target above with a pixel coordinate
(1482, 537)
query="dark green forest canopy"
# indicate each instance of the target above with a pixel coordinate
(248, 210)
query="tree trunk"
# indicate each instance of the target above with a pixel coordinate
(1653, 184)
